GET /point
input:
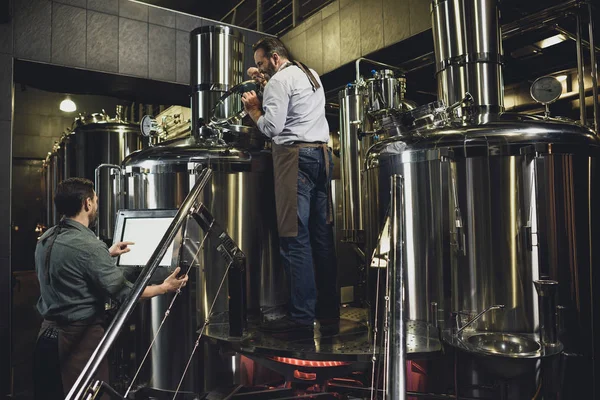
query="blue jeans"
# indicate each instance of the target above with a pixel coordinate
(309, 259)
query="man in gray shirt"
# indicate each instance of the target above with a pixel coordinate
(292, 114)
(77, 274)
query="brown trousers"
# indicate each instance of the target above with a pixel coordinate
(76, 343)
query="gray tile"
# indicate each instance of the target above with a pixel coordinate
(371, 33)
(344, 3)
(350, 22)
(76, 3)
(420, 16)
(133, 47)
(106, 6)
(299, 47)
(29, 146)
(32, 26)
(102, 42)
(396, 21)
(182, 55)
(330, 9)
(131, 10)
(312, 20)
(188, 23)
(161, 52)
(331, 42)
(314, 57)
(6, 85)
(68, 35)
(162, 17)
(6, 38)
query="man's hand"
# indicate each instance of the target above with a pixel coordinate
(119, 248)
(258, 77)
(172, 283)
(252, 105)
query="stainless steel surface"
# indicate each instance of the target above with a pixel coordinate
(476, 318)
(396, 347)
(241, 198)
(373, 62)
(82, 385)
(101, 141)
(547, 291)
(580, 72)
(594, 68)
(351, 343)
(113, 169)
(216, 65)
(352, 147)
(468, 51)
(385, 91)
(503, 344)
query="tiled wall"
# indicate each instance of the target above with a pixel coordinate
(111, 36)
(348, 29)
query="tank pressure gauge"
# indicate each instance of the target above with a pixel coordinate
(546, 90)
(148, 126)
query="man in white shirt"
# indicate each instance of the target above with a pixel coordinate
(292, 114)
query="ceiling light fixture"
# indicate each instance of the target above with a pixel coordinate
(551, 41)
(68, 105)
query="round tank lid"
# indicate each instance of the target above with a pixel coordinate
(220, 29)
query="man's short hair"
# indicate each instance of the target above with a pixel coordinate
(71, 194)
(271, 46)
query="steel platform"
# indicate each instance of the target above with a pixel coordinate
(348, 343)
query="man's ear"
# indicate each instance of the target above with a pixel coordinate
(276, 58)
(87, 204)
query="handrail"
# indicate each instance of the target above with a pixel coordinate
(81, 387)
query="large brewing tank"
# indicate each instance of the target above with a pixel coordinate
(54, 175)
(217, 63)
(241, 198)
(364, 108)
(98, 139)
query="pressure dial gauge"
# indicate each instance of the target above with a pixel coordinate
(546, 90)
(148, 126)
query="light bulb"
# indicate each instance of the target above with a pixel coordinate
(68, 105)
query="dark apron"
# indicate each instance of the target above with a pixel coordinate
(76, 343)
(285, 172)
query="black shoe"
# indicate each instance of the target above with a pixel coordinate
(285, 324)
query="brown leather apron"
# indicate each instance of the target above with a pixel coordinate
(285, 172)
(76, 343)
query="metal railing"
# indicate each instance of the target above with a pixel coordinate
(274, 17)
(82, 389)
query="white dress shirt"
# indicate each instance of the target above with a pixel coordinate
(293, 112)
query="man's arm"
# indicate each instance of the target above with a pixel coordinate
(275, 104)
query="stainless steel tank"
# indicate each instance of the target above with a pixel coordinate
(493, 202)
(98, 139)
(217, 64)
(241, 198)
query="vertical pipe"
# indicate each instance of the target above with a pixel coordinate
(594, 70)
(547, 291)
(580, 71)
(395, 388)
(295, 12)
(259, 15)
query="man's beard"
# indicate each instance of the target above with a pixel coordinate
(93, 220)
(269, 70)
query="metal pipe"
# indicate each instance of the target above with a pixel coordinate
(295, 12)
(380, 64)
(580, 73)
(547, 292)
(259, 15)
(490, 308)
(81, 386)
(97, 185)
(573, 37)
(395, 387)
(594, 70)
(543, 17)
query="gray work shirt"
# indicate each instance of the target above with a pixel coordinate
(292, 110)
(81, 274)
